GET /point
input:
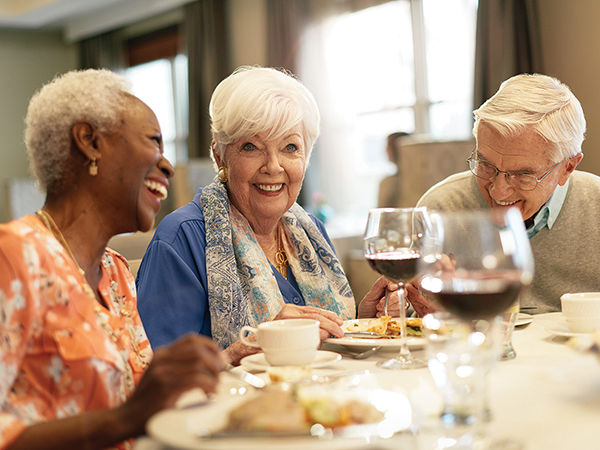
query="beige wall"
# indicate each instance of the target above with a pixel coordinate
(27, 60)
(570, 35)
(248, 26)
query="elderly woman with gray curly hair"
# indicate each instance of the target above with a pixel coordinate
(76, 367)
(243, 251)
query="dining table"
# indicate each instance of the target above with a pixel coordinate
(548, 397)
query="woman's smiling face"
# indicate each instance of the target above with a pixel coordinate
(265, 176)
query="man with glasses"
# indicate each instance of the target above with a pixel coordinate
(528, 144)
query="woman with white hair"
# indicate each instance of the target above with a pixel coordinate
(76, 367)
(243, 251)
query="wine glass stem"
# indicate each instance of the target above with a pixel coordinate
(386, 301)
(404, 351)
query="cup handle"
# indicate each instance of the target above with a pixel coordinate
(248, 330)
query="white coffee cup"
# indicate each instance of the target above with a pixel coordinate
(287, 342)
(581, 311)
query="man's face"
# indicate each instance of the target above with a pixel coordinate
(525, 153)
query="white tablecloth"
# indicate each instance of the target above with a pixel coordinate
(546, 398)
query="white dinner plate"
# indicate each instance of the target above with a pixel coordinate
(258, 361)
(523, 319)
(555, 323)
(184, 428)
(358, 343)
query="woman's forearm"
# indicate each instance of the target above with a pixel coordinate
(87, 431)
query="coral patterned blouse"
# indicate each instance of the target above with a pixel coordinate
(61, 352)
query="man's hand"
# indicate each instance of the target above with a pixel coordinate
(373, 302)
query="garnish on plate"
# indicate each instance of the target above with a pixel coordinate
(386, 327)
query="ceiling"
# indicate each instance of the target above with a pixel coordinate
(46, 13)
(79, 18)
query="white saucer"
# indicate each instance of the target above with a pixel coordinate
(555, 323)
(523, 319)
(258, 361)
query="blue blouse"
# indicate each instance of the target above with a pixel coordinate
(171, 280)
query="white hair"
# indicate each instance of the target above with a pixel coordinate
(93, 96)
(255, 100)
(541, 102)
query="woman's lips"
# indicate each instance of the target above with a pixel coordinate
(156, 188)
(270, 187)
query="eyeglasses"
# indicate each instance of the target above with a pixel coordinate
(521, 181)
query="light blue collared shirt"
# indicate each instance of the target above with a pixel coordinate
(549, 212)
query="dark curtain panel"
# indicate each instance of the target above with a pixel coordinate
(507, 43)
(285, 21)
(105, 51)
(208, 63)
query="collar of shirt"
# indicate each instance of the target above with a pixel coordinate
(549, 212)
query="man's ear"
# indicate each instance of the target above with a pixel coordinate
(85, 137)
(572, 163)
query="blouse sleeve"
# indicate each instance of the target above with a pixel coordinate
(172, 296)
(17, 315)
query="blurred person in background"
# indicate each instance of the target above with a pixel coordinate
(243, 251)
(390, 188)
(77, 370)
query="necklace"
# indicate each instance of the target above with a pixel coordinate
(280, 255)
(49, 223)
(102, 319)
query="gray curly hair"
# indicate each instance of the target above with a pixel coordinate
(93, 96)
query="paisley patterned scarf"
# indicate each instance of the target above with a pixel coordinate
(242, 289)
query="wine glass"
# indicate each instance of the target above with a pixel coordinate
(392, 247)
(474, 268)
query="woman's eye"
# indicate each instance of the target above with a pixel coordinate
(291, 148)
(248, 146)
(157, 139)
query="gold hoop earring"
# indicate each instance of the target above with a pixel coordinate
(93, 169)
(223, 174)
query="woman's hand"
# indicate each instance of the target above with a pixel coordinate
(420, 304)
(191, 361)
(236, 351)
(329, 322)
(373, 302)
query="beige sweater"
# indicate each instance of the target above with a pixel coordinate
(567, 257)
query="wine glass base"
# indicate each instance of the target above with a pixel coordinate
(402, 363)
(507, 354)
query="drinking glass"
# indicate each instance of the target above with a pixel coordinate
(474, 269)
(507, 324)
(392, 246)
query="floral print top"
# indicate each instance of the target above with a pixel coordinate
(61, 352)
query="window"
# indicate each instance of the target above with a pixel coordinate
(158, 75)
(162, 85)
(405, 65)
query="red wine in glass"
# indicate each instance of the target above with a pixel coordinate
(399, 266)
(473, 297)
(392, 247)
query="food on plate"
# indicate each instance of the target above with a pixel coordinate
(275, 411)
(289, 374)
(385, 326)
(281, 410)
(414, 327)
